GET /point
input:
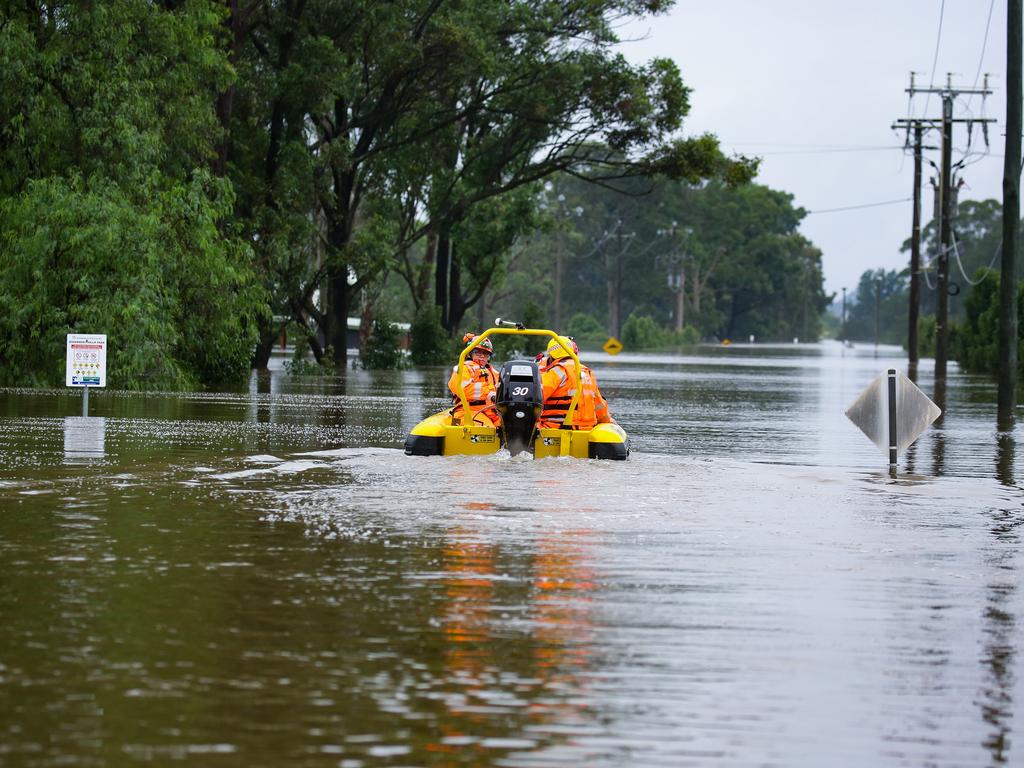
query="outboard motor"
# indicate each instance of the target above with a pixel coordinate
(519, 401)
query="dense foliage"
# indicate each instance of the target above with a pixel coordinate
(747, 269)
(192, 177)
(975, 340)
(110, 221)
(878, 308)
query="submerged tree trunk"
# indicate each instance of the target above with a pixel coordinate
(270, 332)
(338, 301)
(457, 304)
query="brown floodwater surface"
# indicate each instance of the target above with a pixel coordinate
(264, 578)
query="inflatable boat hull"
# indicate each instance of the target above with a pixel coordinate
(437, 436)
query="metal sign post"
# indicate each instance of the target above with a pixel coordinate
(893, 412)
(86, 363)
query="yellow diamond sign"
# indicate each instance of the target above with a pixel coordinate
(613, 346)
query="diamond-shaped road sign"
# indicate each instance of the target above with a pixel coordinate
(893, 412)
(613, 346)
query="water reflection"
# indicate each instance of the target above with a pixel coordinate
(999, 620)
(735, 594)
(518, 642)
(84, 438)
(1005, 451)
(939, 427)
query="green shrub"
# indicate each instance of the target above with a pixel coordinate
(428, 343)
(383, 350)
(688, 337)
(926, 335)
(301, 365)
(974, 343)
(148, 266)
(641, 332)
(587, 331)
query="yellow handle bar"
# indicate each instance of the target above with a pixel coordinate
(517, 332)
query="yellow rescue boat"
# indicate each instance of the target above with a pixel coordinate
(519, 400)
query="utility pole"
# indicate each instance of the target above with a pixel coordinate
(948, 94)
(676, 276)
(563, 215)
(945, 240)
(680, 281)
(878, 307)
(1007, 398)
(613, 272)
(843, 331)
(915, 252)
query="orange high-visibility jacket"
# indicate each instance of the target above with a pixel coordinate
(479, 382)
(558, 381)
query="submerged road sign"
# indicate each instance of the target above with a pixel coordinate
(613, 346)
(86, 363)
(86, 360)
(893, 412)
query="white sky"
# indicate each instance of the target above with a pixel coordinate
(793, 81)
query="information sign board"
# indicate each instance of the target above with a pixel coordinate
(86, 360)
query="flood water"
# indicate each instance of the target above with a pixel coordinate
(264, 578)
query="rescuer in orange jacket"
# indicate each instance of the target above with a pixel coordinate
(480, 383)
(558, 382)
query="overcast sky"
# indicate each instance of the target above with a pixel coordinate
(813, 86)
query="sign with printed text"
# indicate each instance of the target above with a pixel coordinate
(613, 346)
(86, 360)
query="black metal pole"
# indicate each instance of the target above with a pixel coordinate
(892, 418)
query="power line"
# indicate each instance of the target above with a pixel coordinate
(960, 264)
(935, 59)
(800, 145)
(857, 207)
(833, 151)
(981, 59)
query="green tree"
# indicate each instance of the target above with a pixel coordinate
(430, 109)
(747, 268)
(110, 219)
(977, 227)
(974, 342)
(885, 293)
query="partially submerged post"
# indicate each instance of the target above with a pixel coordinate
(893, 412)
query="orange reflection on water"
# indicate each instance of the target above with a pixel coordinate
(502, 677)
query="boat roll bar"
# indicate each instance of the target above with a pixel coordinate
(503, 329)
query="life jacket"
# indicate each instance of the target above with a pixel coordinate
(593, 395)
(478, 382)
(558, 382)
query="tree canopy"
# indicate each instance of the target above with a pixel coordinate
(111, 219)
(744, 268)
(188, 176)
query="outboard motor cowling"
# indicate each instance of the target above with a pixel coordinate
(519, 401)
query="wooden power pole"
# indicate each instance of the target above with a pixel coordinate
(915, 253)
(1011, 220)
(948, 94)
